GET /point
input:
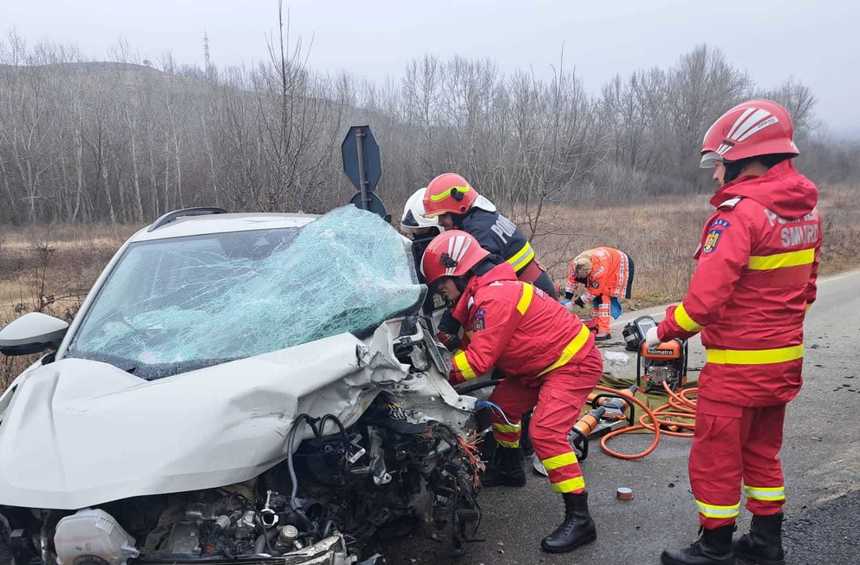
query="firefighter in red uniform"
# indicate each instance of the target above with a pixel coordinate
(548, 359)
(755, 278)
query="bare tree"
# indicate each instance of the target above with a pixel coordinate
(124, 140)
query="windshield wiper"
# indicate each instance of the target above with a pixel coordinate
(160, 371)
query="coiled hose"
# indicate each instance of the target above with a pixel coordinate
(677, 414)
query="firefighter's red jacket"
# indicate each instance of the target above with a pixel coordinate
(515, 327)
(757, 266)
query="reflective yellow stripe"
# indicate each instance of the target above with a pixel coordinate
(714, 511)
(754, 356)
(462, 364)
(781, 260)
(570, 350)
(557, 461)
(447, 193)
(525, 298)
(511, 444)
(570, 485)
(508, 428)
(684, 320)
(765, 493)
(522, 257)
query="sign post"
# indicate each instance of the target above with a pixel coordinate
(363, 165)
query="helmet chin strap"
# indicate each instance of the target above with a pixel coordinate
(486, 265)
(733, 169)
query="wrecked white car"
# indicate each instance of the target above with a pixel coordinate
(236, 387)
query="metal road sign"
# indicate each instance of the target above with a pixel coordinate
(363, 165)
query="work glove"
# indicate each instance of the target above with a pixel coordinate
(450, 341)
(448, 323)
(579, 302)
(651, 337)
(455, 378)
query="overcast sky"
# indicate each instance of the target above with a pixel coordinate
(814, 41)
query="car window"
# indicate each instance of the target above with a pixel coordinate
(177, 304)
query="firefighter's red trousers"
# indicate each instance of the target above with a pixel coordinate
(734, 445)
(557, 399)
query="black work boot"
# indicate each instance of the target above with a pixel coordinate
(577, 528)
(506, 470)
(763, 545)
(714, 547)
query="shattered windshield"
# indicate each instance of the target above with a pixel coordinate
(178, 304)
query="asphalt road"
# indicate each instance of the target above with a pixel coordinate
(821, 460)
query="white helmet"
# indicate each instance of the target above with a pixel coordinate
(413, 213)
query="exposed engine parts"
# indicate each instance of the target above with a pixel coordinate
(340, 491)
(387, 475)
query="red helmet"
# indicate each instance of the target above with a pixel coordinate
(449, 193)
(451, 254)
(750, 129)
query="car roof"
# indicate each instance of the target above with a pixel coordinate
(221, 223)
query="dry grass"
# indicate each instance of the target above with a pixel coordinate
(50, 268)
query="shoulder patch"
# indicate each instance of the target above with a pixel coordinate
(730, 203)
(479, 320)
(720, 223)
(711, 240)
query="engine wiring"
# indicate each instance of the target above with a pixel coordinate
(291, 438)
(468, 447)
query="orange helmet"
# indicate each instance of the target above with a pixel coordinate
(451, 254)
(449, 193)
(750, 129)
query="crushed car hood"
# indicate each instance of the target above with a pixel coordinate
(76, 433)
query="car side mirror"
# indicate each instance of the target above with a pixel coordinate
(32, 333)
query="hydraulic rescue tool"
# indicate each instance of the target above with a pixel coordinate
(662, 363)
(583, 429)
(610, 412)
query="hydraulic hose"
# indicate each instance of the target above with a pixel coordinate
(641, 425)
(679, 406)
